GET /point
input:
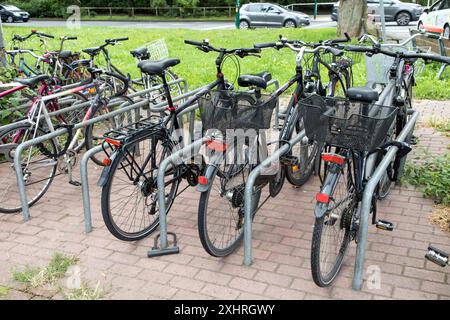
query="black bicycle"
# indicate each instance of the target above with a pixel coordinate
(129, 186)
(358, 131)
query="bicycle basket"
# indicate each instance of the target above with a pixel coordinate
(352, 125)
(224, 110)
(158, 49)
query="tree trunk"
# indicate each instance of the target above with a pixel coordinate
(352, 17)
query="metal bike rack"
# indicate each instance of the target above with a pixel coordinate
(62, 131)
(84, 161)
(172, 160)
(248, 199)
(367, 201)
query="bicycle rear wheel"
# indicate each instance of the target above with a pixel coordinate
(129, 199)
(221, 208)
(332, 231)
(38, 167)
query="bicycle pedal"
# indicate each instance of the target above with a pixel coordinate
(437, 256)
(289, 160)
(75, 183)
(384, 225)
(413, 141)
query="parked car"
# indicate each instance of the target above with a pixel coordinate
(271, 15)
(436, 18)
(11, 13)
(394, 10)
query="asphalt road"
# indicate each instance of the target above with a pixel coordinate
(321, 22)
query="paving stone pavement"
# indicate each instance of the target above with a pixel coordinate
(282, 235)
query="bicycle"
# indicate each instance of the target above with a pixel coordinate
(221, 206)
(360, 128)
(129, 186)
(41, 162)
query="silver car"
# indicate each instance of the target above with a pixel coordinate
(270, 15)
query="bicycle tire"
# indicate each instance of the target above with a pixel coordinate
(321, 277)
(7, 171)
(205, 232)
(299, 176)
(115, 172)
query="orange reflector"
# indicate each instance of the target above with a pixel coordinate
(295, 168)
(203, 180)
(106, 162)
(113, 142)
(333, 158)
(216, 145)
(322, 198)
(91, 90)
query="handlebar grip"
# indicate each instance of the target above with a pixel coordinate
(432, 35)
(252, 50)
(45, 35)
(116, 40)
(265, 45)
(193, 43)
(358, 49)
(335, 52)
(347, 39)
(434, 57)
(72, 38)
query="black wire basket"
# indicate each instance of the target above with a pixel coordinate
(222, 110)
(342, 123)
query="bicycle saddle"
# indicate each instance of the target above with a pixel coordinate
(363, 94)
(157, 67)
(92, 51)
(249, 80)
(65, 54)
(141, 53)
(32, 81)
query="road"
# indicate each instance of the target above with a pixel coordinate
(321, 22)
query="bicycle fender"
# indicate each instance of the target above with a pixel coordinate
(321, 208)
(105, 173)
(210, 172)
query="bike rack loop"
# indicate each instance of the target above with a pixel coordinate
(248, 199)
(85, 177)
(59, 132)
(161, 198)
(367, 201)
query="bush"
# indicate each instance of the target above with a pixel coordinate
(11, 101)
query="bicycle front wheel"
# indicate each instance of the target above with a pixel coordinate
(305, 152)
(129, 200)
(38, 167)
(332, 231)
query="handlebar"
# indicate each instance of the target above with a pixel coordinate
(399, 54)
(114, 41)
(206, 47)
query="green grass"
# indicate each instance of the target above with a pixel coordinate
(4, 291)
(37, 277)
(199, 69)
(432, 176)
(441, 125)
(85, 292)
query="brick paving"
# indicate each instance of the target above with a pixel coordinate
(282, 234)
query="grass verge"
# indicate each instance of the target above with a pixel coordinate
(199, 68)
